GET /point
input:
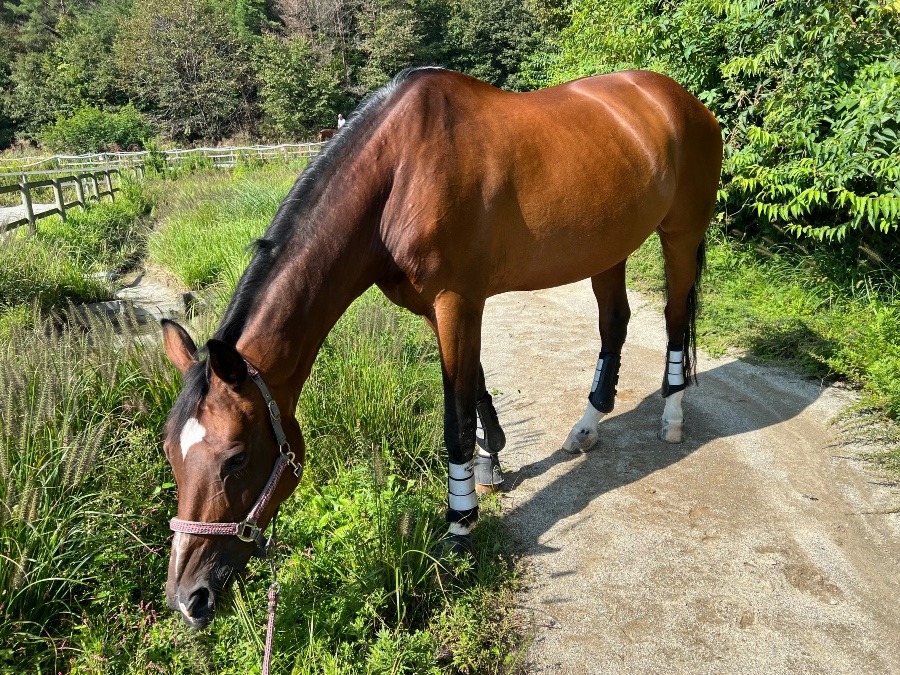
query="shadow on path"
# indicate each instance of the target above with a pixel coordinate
(734, 398)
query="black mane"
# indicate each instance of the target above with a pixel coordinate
(292, 219)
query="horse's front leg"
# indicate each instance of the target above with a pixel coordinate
(612, 301)
(457, 322)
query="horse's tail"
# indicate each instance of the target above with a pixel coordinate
(693, 306)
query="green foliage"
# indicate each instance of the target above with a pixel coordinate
(299, 89)
(71, 69)
(94, 130)
(77, 470)
(388, 40)
(782, 306)
(491, 38)
(204, 241)
(808, 95)
(183, 64)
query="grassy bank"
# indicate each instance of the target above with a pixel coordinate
(86, 495)
(61, 262)
(781, 306)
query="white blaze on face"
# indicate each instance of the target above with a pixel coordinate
(178, 543)
(192, 433)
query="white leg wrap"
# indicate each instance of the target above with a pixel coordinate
(675, 369)
(461, 487)
(672, 430)
(584, 434)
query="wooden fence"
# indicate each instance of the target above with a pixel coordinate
(88, 184)
(92, 175)
(218, 157)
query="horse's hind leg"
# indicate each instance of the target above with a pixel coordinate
(612, 301)
(684, 264)
(490, 439)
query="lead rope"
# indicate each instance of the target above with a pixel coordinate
(273, 599)
(270, 628)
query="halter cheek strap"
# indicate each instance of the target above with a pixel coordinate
(248, 529)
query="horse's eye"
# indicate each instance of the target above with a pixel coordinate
(237, 462)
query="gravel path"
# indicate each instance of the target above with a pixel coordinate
(757, 546)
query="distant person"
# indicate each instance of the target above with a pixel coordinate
(341, 121)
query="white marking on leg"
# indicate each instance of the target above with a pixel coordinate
(461, 486)
(584, 434)
(459, 528)
(672, 430)
(192, 433)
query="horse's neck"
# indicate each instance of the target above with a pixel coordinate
(315, 284)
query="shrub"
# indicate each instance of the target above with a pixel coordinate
(808, 94)
(90, 129)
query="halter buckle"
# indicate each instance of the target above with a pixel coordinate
(288, 454)
(274, 412)
(248, 531)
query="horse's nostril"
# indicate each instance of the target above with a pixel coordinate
(198, 603)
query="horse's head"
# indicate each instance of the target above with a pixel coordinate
(234, 463)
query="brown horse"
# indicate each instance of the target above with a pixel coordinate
(326, 134)
(443, 191)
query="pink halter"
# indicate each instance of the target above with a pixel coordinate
(248, 529)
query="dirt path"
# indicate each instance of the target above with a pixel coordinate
(758, 545)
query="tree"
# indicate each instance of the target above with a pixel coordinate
(388, 40)
(299, 90)
(490, 39)
(184, 65)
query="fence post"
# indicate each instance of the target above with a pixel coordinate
(96, 186)
(26, 202)
(58, 197)
(108, 181)
(79, 191)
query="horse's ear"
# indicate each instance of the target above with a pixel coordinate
(226, 363)
(180, 348)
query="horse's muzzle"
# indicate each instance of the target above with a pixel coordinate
(197, 607)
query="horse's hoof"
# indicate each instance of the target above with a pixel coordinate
(672, 432)
(580, 440)
(488, 474)
(452, 546)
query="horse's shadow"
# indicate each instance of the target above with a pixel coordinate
(734, 398)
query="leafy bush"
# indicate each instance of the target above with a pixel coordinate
(808, 94)
(299, 90)
(90, 129)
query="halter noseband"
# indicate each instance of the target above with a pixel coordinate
(248, 529)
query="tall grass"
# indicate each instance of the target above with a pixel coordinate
(359, 589)
(209, 222)
(76, 410)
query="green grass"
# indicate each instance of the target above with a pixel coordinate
(57, 265)
(86, 495)
(798, 310)
(211, 219)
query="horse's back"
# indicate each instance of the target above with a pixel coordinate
(549, 186)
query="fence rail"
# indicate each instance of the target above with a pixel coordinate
(86, 171)
(220, 157)
(88, 184)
